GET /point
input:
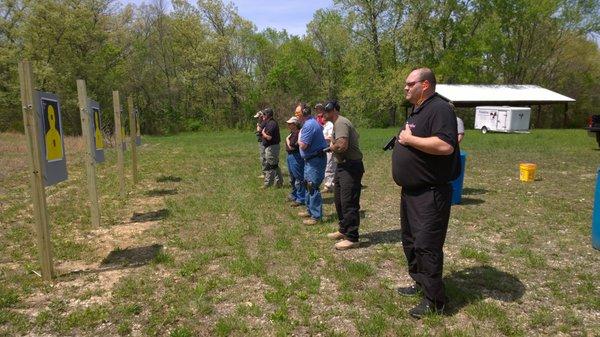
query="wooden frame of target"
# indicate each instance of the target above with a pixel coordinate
(96, 130)
(52, 144)
(123, 130)
(138, 135)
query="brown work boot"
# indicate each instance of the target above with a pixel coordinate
(336, 236)
(310, 221)
(303, 214)
(346, 244)
(296, 204)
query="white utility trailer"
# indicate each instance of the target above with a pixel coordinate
(502, 119)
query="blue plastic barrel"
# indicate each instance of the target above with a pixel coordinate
(457, 184)
(596, 215)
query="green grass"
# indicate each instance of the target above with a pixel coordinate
(236, 260)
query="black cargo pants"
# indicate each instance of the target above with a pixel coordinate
(346, 193)
(424, 215)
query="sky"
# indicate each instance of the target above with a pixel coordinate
(291, 15)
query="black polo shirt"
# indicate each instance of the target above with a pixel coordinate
(412, 168)
(272, 129)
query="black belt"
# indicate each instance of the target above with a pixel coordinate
(349, 162)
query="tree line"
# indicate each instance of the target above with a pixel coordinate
(193, 66)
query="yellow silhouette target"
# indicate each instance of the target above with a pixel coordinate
(52, 128)
(97, 133)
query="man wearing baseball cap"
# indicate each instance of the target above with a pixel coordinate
(271, 140)
(295, 163)
(348, 177)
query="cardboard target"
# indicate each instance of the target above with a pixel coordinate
(51, 138)
(96, 131)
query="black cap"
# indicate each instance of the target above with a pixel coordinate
(332, 105)
(268, 112)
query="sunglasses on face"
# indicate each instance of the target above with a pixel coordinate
(412, 84)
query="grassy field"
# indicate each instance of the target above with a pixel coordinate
(196, 249)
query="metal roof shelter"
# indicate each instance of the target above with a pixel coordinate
(471, 95)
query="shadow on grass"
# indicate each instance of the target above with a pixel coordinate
(150, 216)
(475, 284)
(328, 200)
(121, 259)
(160, 192)
(164, 179)
(380, 237)
(137, 256)
(474, 191)
(471, 201)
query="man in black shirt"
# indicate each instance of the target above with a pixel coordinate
(270, 140)
(424, 162)
(295, 163)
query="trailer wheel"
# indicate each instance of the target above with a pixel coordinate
(484, 130)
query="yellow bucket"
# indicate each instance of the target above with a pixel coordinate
(527, 171)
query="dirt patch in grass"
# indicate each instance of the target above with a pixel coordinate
(236, 260)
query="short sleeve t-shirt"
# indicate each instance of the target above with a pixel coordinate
(328, 130)
(343, 128)
(293, 142)
(412, 168)
(311, 134)
(272, 129)
(460, 126)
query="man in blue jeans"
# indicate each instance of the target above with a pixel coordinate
(312, 143)
(295, 163)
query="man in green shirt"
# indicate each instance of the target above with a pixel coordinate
(348, 176)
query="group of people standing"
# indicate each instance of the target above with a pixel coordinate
(425, 159)
(321, 149)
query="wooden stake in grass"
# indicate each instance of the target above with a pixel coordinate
(119, 143)
(132, 135)
(38, 193)
(90, 161)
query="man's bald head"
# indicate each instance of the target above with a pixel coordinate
(426, 74)
(420, 84)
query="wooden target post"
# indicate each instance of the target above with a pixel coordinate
(38, 193)
(119, 142)
(90, 161)
(132, 136)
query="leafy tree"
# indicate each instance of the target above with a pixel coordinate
(202, 65)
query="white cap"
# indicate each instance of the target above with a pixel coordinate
(293, 120)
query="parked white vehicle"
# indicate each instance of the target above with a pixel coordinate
(502, 119)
